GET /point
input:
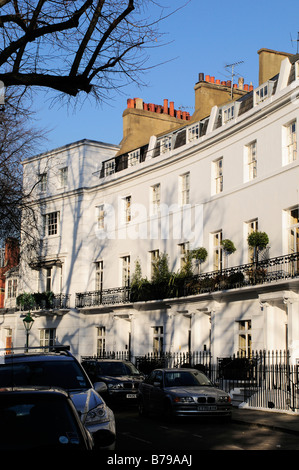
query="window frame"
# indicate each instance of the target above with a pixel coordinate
(184, 184)
(289, 142)
(51, 227)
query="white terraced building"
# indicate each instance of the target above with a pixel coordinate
(174, 184)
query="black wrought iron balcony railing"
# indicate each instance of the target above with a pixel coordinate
(117, 295)
(43, 301)
(265, 271)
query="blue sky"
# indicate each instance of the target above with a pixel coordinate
(203, 37)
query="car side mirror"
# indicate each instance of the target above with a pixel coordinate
(157, 384)
(100, 387)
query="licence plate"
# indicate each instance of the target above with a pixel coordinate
(131, 395)
(207, 408)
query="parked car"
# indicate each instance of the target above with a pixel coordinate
(61, 369)
(182, 392)
(40, 419)
(121, 377)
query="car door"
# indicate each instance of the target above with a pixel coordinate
(156, 391)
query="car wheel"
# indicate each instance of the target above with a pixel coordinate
(143, 411)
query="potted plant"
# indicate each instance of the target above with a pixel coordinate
(228, 247)
(200, 255)
(258, 241)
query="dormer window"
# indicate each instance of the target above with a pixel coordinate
(193, 132)
(134, 158)
(109, 167)
(166, 144)
(263, 92)
(230, 112)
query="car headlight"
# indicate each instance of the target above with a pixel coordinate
(97, 415)
(224, 399)
(115, 386)
(183, 400)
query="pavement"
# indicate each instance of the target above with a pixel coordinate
(283, 421)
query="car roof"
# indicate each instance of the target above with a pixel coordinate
(105, 360)
(33, 357)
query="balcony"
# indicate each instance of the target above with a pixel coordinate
(282, 268)
(43, 301)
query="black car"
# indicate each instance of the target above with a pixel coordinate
(182, 392)
(40, 419)
(61, 369)
(121, 377)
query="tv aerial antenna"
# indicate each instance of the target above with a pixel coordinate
(232, 67)
(296, 40)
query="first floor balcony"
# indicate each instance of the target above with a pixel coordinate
(281, 268)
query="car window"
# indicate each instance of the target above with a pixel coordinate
(185, 378)
(36, 422)
(64, 374)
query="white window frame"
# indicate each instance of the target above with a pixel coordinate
(155, 198)
(289, 138)
(217, 250)
(166, 144)
(245, 337)
(101, 340)
(43, 177)
(193, 132)
(47, 337)
(109, 167)
(184, 249)
(263, 92)
(125, 270)
(218, 175)
(230, 112)
(99, 279)
(63, 177)
(134, 158)
(250, 163)
(12, 288)
(158, 339)
(184, 184)
(101, 216)
(51, 227)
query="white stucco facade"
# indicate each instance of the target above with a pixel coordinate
(93, 228)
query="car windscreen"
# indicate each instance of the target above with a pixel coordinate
(116, 369)
(186, 379)
(30, 421)
(63, 374)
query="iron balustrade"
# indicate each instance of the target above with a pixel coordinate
(117, 295)
(269, 270)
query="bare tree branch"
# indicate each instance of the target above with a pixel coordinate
(75, 46)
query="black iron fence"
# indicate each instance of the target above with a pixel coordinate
(269, 270)
(265, 379)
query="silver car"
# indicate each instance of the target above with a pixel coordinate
(182, 392)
